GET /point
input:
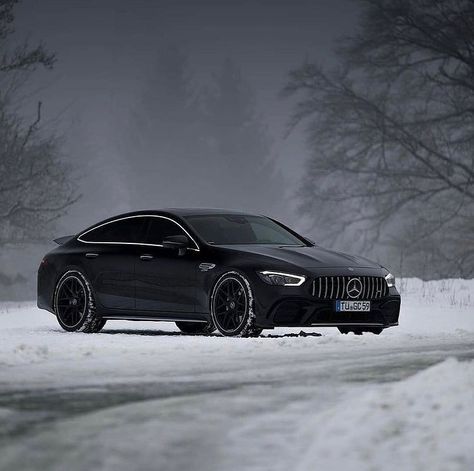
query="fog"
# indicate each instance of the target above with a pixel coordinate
(350, 121)
(312, 112)
(108, 56)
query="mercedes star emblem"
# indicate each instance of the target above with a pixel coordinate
(354, 288)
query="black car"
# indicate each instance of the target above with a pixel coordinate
(211, 269)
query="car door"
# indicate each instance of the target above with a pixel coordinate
(109, 258)
(166, 280)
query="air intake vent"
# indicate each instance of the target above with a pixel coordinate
(350, 287)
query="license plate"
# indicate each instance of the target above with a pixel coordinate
(355, 306)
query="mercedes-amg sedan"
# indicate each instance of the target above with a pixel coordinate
(211, 269)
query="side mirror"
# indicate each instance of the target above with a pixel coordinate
(177, 242)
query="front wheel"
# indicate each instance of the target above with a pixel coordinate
(74, 304)
(232, 306)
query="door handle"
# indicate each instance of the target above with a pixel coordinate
(92, 255)
(146, 257)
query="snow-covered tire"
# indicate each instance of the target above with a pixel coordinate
(232, 306)
(73, 293)
(196, 327)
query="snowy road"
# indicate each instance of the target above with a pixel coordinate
(142, 396)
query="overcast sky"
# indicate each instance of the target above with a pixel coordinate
(105, 49)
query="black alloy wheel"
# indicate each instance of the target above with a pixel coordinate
(71, 301)
(232, 306)
(74, 304)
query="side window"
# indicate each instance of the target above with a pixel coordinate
(159, 228)
(124, 230)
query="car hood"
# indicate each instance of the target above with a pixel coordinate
(306, 257)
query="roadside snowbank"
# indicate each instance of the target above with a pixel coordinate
(436, 306)
(423, 422)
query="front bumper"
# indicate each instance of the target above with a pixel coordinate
(303, 313)
(298, 307)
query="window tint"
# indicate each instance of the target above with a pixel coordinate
(124, 230)
(160, 228)
(269, 234)
(228, 229)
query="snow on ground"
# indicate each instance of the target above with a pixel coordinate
(143, 396)
(423, 422)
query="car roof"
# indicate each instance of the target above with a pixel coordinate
(177, 212)
(204, 211)
(183, 212)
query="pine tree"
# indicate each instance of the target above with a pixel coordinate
(240, 145)
(161, 140)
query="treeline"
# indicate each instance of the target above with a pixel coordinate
(390, 131)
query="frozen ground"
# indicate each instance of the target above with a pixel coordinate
(141, 396)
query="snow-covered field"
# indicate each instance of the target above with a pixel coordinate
(141, 396)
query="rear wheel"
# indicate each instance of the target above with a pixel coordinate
(196, 327)
(74, 304)
(232, 306)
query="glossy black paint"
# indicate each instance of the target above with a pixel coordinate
(140, 281)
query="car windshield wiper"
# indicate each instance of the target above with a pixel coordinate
(292, 245)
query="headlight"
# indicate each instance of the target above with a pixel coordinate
(281, 279)
(390, 279)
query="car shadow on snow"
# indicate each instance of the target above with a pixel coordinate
(168, 333)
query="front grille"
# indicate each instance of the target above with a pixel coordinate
(349, 287)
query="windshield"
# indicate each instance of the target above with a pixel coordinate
(229, 229)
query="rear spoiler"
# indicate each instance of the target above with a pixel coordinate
(62, 240)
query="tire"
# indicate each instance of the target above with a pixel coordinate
(74, 304)
(373, 330)
(232, 306)
(196, 327)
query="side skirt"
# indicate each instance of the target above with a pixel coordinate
(152, 318)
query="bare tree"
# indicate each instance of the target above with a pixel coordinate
(391, 131)
(34, 184)
(20, 57)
